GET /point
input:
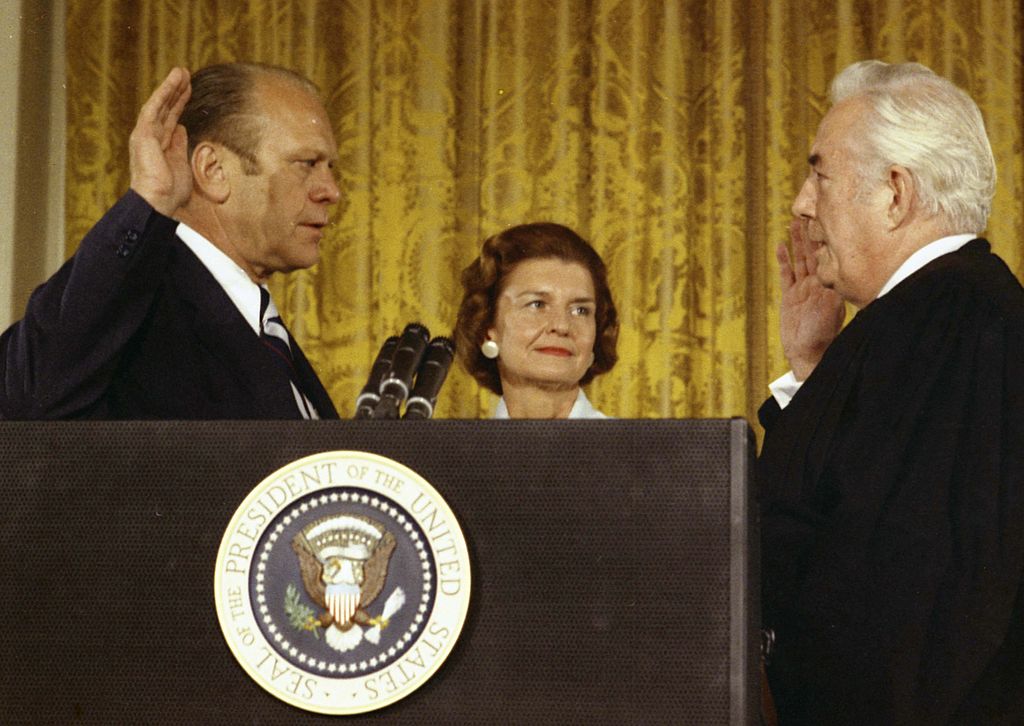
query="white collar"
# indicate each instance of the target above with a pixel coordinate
(244, 293)
(582, 408)
(923, 256)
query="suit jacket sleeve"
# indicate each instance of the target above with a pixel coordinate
(59, 359)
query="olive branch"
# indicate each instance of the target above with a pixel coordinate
(299, 614)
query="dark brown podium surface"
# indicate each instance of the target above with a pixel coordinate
(614, 569)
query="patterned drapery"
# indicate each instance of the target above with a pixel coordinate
(672, 134)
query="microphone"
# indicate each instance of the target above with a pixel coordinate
(394, 389)
(370, 395)
(432, 373)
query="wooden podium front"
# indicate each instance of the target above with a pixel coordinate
(614, 569)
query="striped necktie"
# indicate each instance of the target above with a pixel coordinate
(275, 337)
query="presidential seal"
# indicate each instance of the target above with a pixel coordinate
(342, 582)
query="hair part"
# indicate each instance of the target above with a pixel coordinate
(923, 122)
(224, 107)
(484, 279)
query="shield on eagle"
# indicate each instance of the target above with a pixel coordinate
(343, 559)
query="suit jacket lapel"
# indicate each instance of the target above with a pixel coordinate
(221, 328)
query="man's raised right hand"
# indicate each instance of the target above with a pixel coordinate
(158, 146)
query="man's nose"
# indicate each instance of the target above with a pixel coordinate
(803, 205)
(326, 189)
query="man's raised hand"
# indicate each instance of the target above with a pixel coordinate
(811, 315)
(158, 146)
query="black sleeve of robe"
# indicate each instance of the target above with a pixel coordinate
(892, 500)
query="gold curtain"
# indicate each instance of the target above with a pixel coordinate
(671, 134)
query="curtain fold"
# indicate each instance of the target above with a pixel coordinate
(673, 135)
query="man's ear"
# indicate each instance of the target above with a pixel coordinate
(210, 174)
(902, 197)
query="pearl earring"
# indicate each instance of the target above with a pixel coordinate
(490, 349)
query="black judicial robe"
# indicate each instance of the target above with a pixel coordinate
(892, 510)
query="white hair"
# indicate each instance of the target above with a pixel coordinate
(923, 122)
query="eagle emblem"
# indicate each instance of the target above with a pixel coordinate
(343, 559)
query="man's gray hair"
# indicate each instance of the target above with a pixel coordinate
(923, 122)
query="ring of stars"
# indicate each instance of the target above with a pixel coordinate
(265, 612)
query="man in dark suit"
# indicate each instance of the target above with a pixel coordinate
(163, 313)
(892, 470)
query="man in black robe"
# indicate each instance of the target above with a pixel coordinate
(892, 470)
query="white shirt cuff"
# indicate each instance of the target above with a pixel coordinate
(784, 388)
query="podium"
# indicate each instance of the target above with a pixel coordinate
(614, 569)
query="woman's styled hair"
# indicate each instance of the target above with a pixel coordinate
(484, 279)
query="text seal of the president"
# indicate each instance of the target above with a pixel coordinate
(342, 582)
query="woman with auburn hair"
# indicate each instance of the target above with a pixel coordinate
(537, 321)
